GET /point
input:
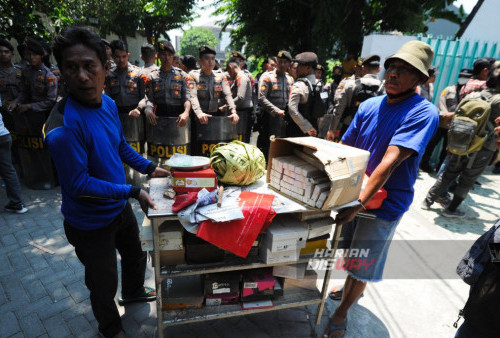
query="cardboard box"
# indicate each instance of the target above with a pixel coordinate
(269, 257)
(222, 299)
(222, 283)
(319, 227)
(310, 215)
(199, 251)
(170, 235)
(296, 271)
(312, 246)
(285, 233)
(344, 165)
(182, 293)
(278, 286)
(170, 257)
(258, 284)
(187, 181)
(308, 282)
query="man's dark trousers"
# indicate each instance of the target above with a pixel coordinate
(96, 249)
(458, 167)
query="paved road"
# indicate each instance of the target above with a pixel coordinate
(43, 295)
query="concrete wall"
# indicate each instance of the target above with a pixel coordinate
(134, 46)
(383, 45)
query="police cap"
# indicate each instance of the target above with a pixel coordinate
(147, 48)
(34, 46)
(206, 50)
(239, 55)
(6, 44)
(283, 54)
(320, 67)
(20, 48)
(465, 73)
(165, 45)
(371, 61)
(307, 59)
(106, 42)
(189, 61)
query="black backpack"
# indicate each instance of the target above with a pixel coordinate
(362, 92)
(480, 268)
(316, 104)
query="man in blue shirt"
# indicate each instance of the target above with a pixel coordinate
(85, 139)
(395, 129)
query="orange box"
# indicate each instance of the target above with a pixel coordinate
(188, 181)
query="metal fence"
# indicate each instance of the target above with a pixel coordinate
(452, 55)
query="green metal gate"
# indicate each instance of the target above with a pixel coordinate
(452, 55)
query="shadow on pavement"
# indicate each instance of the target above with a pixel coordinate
(361, 322)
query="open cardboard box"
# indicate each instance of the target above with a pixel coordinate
(344, 165)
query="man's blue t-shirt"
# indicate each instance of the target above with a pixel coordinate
(377, 125)
(88, 148)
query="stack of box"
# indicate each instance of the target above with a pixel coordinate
(171, 246)
(222, 288)
(283, 240)
(258, 284)
(182, 293)
(300, 180)
(325, 174)
(199, 251)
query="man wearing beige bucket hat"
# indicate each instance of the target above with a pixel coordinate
(395, 129)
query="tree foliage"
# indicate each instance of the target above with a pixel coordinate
(329, 27)
(31, 18)
(122, 17)
(194, 38)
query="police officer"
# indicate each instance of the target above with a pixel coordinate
(243, 66)
(39, 84)
(188, 63)
(208, 89)
(318, 72)
(10, 81)
(124, 83)
(53, 67)
(347, 97)
(148, 55)
(24, 54)
(300, 119)
(166, 91)
(274, 87)
(241, 90)
(109, 53)
(209, 93)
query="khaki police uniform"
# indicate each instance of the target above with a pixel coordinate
(23, 64)
(39, 88)
(274, 91)
(10, 83)
(241, 91)
(126, 87)
(344, 96)
(10, 87)
(166, 92)
(448, 101)
(299, 96)
(209, 92)
(146, 70)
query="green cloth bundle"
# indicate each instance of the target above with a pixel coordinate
(238, 163)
